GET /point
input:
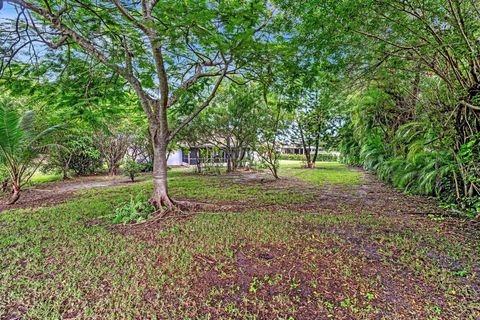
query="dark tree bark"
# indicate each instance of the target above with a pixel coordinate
(306, 148)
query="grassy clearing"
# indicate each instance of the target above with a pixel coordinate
(40, 177)
(224, 190)
(324, 173)
(62, 262)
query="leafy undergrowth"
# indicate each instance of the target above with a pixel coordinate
(66, 262)
(138, 209)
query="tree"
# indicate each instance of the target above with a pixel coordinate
(131, 168)
(113, 145)
(162, 49)
(233, 122)
(272, 124)
(318, 122)
(409, 73)
(21, 147)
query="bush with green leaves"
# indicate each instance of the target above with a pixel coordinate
(414, 155)
(322, 157)
(132, 168)
(137, 210)
(79, 154)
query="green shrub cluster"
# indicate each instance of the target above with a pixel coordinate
(416, 157)
(137, 210)
(132, 168)
(300, 157)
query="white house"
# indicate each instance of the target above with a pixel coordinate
(175, 158)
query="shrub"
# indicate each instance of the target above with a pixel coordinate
(138, 209)
(132, 168)
(322, 157)
(78, 154)
(85, 157)
(22, 145)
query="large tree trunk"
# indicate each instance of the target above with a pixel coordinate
(160, 196)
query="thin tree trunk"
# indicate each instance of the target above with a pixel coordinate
(305, 149)
(113, 168)
(273, 168)
(317, 145)
(198, 161)
(65, 173)
(65, 169)
(229, 156)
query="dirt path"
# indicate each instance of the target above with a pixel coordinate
(48, 194)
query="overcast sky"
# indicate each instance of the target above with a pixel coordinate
(8, 12)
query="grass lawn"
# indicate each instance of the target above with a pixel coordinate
(65, 262)
(40, 177)
(324, 172)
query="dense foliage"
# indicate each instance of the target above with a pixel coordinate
(398, 82)
(408, 73)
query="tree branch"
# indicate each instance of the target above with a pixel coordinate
(185, 122)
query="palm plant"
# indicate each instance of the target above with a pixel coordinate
(21, 148)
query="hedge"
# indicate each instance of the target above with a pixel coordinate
(300, 157)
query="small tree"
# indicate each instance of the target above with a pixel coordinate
(234, 122)
(165, 51)
(272, 124)
(113, 146)
(131, 168)
(21, 149)
(314, 124)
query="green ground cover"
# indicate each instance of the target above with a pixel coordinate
(65, 261)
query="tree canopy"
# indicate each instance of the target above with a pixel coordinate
(394, 85)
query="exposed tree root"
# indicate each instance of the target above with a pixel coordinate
(179, 209)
